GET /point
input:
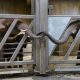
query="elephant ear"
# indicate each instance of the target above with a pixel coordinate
(7, 22)
(2, 26)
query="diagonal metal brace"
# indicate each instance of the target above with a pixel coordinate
(72, 45)
(18, 48)
(20, 44)
(8, 33)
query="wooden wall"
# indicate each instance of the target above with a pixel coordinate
(65, 7)
(14, 7)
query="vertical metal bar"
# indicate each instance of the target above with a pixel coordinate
(8, 33)
(72, 45)
(36, 30)
(34, 41)
(18, 48)
(41, 25)
(17, 60)
(5, 61)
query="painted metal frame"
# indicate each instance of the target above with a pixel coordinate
(40, 21)
(11, 62)
(8, 33)
(40, 49)
(41, 45)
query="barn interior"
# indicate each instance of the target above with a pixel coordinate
(40, 37)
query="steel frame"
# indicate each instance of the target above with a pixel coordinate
(40, 50)
(42, 60)
(11, 62)
(17, 16)
(7, 33)
(41, 45)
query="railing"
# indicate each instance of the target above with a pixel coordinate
(16, 17)
(11, 62)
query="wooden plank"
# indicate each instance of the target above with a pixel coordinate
(36, 29)
(63, 7)
(43, 42)
(13, 71)
(8, 7)
(14, 43)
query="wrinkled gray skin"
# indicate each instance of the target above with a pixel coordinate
(72, 29)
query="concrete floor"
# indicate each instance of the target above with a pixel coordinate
(55, 77)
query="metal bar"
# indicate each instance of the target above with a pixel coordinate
(32, 16)
(67, 69)
(14, 43)
(18, 53)
(16, 63)
(72, 45)
(17, 16)
(43, 15)
(64, 61)
(18, 48)
(13, 71)
(41, 46)
(63, 15)
(34, 41)
(73, 17)
(36, 29)
(8, 33)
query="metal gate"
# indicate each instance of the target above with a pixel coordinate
(40, 46)
(40, 23)
(12, 61)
